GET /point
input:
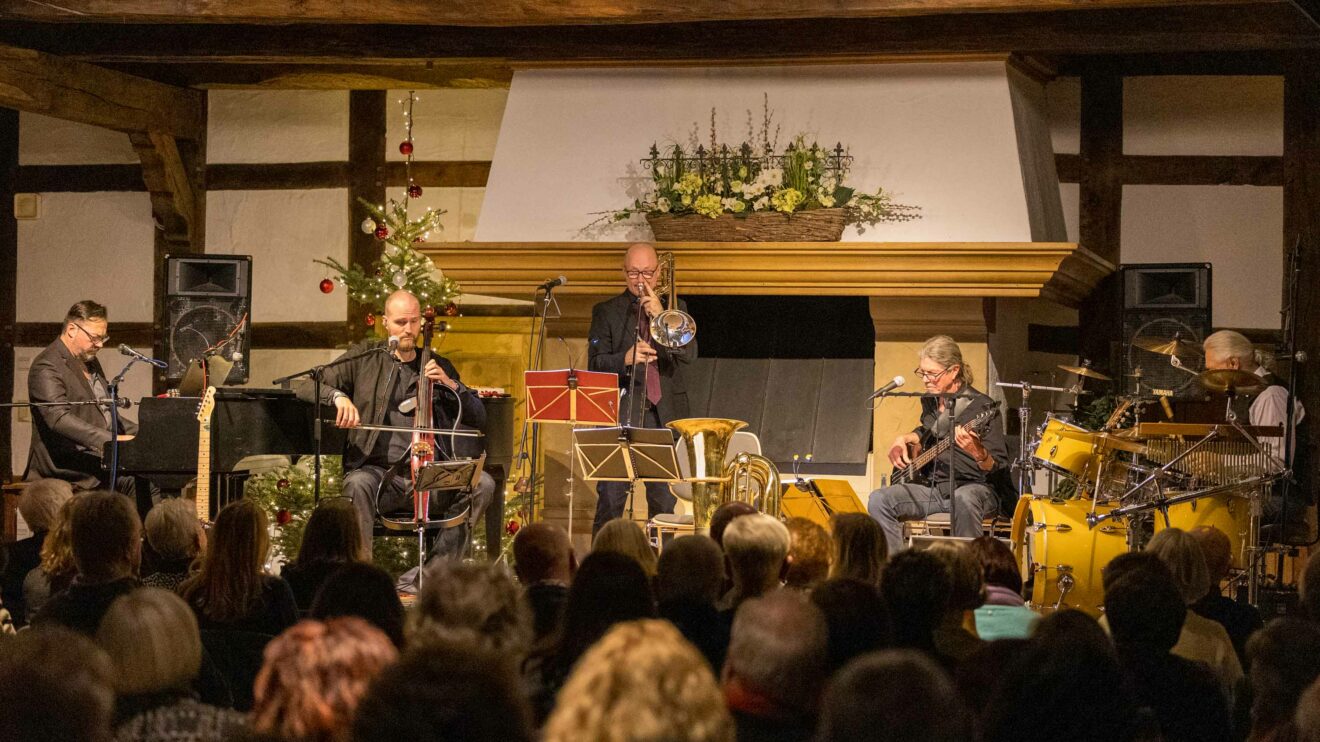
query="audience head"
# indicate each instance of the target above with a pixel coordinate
(626, 537)
(755, 546)
(777, 653)
(57, 688)
(229, 583)
(856, 620)
(690, 568)
(1130, 561)
(333, 534)
(609, 588)
(1307, 719)
(106, 535)
(152, 640)
(859, 547)
(1145, 611)
(641, 682)
(810, 551)
(1284, 660)
(471, 603)
(872, 698)
(363, 590)
(724, 515)
(57, 549)
(1310, 585)
(543, 552)
(968, 584)
(1218, 551)
(998, 565)
(173, 530)
(41, 501)
(916, 587)
(1182, 554)
(441, 693)
(313, 677)
(1071, 628)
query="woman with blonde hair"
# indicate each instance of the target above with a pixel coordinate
(642, 682)
(860, 549)
(313, 677)
(626, 537)
(154, 646)
(57, 566)
(176, 539)
(231, 590)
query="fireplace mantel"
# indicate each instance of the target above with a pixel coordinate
(1062, 272)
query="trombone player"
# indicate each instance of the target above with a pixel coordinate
(650, 374)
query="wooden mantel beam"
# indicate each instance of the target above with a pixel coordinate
(37, 82)
(519, 13)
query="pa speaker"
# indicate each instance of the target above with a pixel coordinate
(1165, 301)
(207, 305)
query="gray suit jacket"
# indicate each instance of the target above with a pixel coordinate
(67, 441)
(613, 332)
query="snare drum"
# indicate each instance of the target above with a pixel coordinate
(1068, 449)
(1228, 513)
(1063, 554)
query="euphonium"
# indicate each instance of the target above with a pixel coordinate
(673, 328)
(749, 477)
(753, 479)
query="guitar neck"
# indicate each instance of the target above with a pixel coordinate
(909, 472)
(204, 472)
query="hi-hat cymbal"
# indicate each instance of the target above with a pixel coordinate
(1086, 371)
(1165, 346)
(1229, 379)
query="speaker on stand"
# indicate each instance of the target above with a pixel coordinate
(1166, 301)
(207, 299)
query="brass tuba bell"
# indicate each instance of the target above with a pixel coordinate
(673, 328)
(749, 478)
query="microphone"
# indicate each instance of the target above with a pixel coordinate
(124, 402)
(893, 384)
(553, 282)
(148, 359)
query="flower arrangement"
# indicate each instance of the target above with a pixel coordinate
(756, 176)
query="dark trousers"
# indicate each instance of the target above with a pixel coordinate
(363, 487)
(611, 497)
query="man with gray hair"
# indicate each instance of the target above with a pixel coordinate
(966, 493)
(775, 670)
(756, 547)
(39, 505)
(176, 537)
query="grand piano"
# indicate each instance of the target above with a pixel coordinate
(252, 422)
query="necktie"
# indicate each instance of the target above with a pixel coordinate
(652, 369)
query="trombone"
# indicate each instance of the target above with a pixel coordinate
(672, 328)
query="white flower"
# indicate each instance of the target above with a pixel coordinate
(663, 205)
(807, 165)
(825, 199)
(761, 203)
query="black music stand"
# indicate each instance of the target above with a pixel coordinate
(626, 454)
(462, 474)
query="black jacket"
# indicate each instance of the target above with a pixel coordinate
(67, 441)
(367, 383)
(613, 332)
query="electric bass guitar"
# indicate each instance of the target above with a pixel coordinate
(204, 412)
(909, 473)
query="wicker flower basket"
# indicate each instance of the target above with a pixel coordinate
(816, 225)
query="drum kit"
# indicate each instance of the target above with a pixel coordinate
(1111, 488)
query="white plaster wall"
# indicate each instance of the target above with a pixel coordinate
(137, 384)
(462, 206)
(86, 246)
(283, 231)
(1203, 115)
(1236, 228)
(1063, 96)
(938, 135)
(277, 126)
(266, 364)
(447, 124)
(43, 140)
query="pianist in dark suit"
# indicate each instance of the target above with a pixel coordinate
(381, 390)
(67, 441)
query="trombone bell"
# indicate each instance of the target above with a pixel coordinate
(672, 328)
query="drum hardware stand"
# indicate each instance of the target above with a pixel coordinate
(1026, 464)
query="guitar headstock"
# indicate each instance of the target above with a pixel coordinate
(207, 405)
(983, 418)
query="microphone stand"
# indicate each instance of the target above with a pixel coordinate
(535, 362)
(113, 389)
(315, 373)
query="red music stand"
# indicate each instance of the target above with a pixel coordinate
(572, 396)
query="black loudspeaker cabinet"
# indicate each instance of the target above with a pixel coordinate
(206, 297)
(1166, 301)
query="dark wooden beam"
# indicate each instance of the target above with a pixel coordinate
(8, 280)
(1100, 211)
(1301, 227)
(79, 178)
(1309, 8)
(298, 175)
(366, 157)
(40, 334)
(265, 335)
(1219, 63)
(440, 174)
(417, 74)
(519, 13)
(37, 82)
(1183, 169)
(173, 195)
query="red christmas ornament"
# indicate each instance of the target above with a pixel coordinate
(327, 285)
(283, 517)
(451, 309)
(405, 147)
(371, 320)
(414, 190)
(382, 232)
(283, 484)
(512, 527)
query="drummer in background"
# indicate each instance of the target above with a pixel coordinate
(1227, 349)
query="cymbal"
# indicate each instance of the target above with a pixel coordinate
(1163, 346)
(1225, 379)
(1086, 371)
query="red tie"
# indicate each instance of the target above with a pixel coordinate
(652, 369)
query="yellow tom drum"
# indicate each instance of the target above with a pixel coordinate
(1062, 555)
(1228, 513)
(1068, 449)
